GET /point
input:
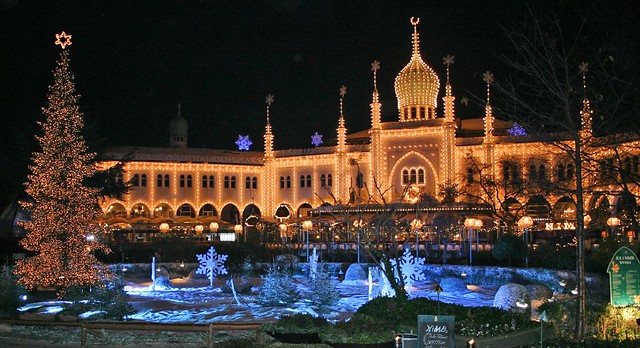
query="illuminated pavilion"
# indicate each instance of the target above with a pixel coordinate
(190, 187)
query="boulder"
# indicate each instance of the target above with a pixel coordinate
(512, 297)
(539, 292)
(355, 273)
(455, 285)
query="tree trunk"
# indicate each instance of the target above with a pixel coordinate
(579, 333)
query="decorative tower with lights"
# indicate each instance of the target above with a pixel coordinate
(376, 157)
(489, 140)
(447, 159)
(341, 153)
(269, 169)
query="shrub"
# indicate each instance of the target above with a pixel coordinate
(323, 292)
(297, 323)
(108, 299)
(10, 290)
(277, 288)
(509, 246)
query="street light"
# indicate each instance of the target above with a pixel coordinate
(307, 225)
(525, 223)
(416, 225)
(283, 234)
(613, 222)
(237, 229)
(213, 227)
(164, 227)
(199, 229)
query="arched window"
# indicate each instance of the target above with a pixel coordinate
(542, 173)
(308, 180)
(405, 176)
(282, 182)
(329, 180)
(166, 180)
(560, 172)
(247, 182)
(136, 180)
(159, 182)
(359, 180)
(420, 176)
(254, 182)
(226, 181)
(569, 171)
(533, 172)
(323, 180)
(181, 180)
(288, 181)
(301, 180)
(469, 174)
(204, 181)
(413, 177)
(212, 181)
(233, 182)
(189, 181)
(143, 180)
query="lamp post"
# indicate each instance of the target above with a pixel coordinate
(213, 227)
(416, 225)
(478, 226)
(237, 229)
(525, 223)
(283, 234)
(613, 222)
(306, 226)
(470, 224)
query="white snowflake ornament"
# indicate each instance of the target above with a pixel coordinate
(243, 142)
(211, 264)
(411, 268)
(316, 139)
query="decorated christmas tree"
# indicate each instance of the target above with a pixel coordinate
(63, 232)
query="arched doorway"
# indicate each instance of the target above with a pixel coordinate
(538, 207)
(564, 210)
(253, 228)
(283, 212)
(140, 210)
(208, 210)
(116, 211)
(186, 210)
(230, 214)
(163, 210)
(304, 210)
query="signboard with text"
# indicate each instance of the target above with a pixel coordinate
(436, 331)
(624, 278)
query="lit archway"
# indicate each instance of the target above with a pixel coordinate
(163, 210)
(230, 214)
(304, 210)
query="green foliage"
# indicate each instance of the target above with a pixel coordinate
(323, 292)
(10, 290)
(509, 246)
(297, 323)
(361, 329)
(277, 288)
(558, 254)
(109, 298)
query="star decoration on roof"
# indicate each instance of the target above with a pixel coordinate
(375, 66)
(268, 99)
(487, 77)
(316, 139)
(343, 91)
(583, 67)
(63, 40)
(448, 60)
(243, 142)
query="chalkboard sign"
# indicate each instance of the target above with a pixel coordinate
(624, 278)
(435, 331)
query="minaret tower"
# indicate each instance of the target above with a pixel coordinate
(489, 140)
(376, 159)
(178, 131)
(586, 114)
(447, 157)
(341, 154)
(269, 166)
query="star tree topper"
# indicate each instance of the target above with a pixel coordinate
(243, 142)
(63, 40)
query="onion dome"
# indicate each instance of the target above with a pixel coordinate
(178, 131)
(417, 86)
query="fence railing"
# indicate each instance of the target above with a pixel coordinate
(89, 328)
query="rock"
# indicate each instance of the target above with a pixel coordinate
(162, 283)
(512, 297)
(355, 273)
(453, 285)
(5, 328)
(539, 292)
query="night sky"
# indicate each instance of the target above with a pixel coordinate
(134, 61)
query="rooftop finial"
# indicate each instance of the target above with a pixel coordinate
(416, 41)
(375, 66)
(343, 92)
(488, 78)
(584, 67)
(268, 100)
(448, 60)
(63, 40)
(179, 107)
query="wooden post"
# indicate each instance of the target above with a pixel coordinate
(83, 336)
(210, 342)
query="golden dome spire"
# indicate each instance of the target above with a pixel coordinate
(417, 85)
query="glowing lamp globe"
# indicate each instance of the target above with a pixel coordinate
(237, 228)
(199, 229)
(307, 225)
(164, 227)
(213, 227)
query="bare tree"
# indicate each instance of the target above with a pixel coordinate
(547, 96)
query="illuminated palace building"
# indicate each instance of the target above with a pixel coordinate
(178, 187)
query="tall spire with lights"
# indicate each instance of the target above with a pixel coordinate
(342, 130)
(488, 117)
(375, 103)
(449, 112)
(586, 113)
(268, 135)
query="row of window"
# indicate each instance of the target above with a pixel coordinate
(164, 180)
(413, 176)
(511, 173)
(326, 180)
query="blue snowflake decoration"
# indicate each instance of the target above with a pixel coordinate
(316, 139)
(516, 130)
(243, 142)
